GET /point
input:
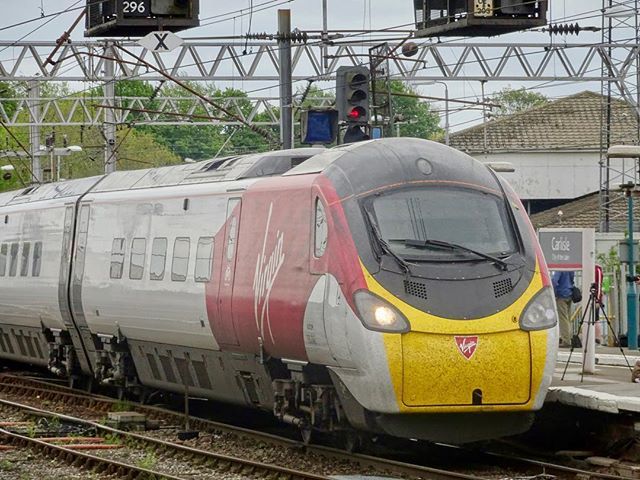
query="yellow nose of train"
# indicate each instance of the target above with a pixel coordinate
(483, 364)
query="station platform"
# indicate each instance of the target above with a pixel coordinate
(609, 390)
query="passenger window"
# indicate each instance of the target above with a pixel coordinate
(204, 256)
(158, 258)
(4, 248)
(321, 230)
(37, 259)
(117, 257)
(138, 253)
(24, 266)
(179, 268)
(13, 265)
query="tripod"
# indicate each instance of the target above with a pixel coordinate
(592, 309)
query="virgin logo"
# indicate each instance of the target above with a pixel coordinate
(267, 268)
(467, 345)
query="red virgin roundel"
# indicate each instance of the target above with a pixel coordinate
(467, 345)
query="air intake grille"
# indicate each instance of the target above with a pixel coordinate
(502, 287)
(416, 289)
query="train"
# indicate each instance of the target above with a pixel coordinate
(392, 286)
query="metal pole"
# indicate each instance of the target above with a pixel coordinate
(325, 37)
(34, 130)
(109, 126)
(632, 303)
(286, 93)
(484, 117)
(446, 113)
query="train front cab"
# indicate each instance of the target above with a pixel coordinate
(481, 334)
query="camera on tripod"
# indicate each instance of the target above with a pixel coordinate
(593, 289)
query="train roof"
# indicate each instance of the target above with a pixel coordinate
(207, 171)
(377, 155)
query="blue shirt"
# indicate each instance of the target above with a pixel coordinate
(562, 284)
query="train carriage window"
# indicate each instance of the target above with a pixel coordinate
(13, 265)
(24, 265)
(158, 258)
(117, 258)
(37, 259)
(180, 265)
(204, 256)
(321, 230)
(138, 253)
(4, 249)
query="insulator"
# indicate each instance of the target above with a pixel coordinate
(567, 29)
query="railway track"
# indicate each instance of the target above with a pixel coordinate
(26, 388)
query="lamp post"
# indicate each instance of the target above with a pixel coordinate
(629, 151)
(446, 106)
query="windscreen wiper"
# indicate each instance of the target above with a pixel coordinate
(384, 246)
(501, 264)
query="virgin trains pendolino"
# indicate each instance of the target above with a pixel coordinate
(391, 286)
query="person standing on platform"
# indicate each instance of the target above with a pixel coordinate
(563, 288)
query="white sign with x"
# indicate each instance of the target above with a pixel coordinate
(161, 41)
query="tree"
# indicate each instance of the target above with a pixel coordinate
(515, 100)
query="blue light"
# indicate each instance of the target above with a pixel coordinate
(320, 127)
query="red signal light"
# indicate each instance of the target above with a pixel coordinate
(356, 113)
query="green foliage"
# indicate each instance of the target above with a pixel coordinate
(9, 90)
(112, 439)
(148, 461)
(515, 100)
(7, 466)
(121, 406)
(610, 262)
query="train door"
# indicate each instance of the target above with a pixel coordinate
(77, 274)
(63, 290)
(225, 331)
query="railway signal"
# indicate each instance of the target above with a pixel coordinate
(352, 95)
(136, 18)
(477, 18)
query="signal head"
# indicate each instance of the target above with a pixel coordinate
(352, 94)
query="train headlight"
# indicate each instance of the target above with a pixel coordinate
(540, 313)
(378, 314)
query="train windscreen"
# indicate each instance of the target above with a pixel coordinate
(421, 222)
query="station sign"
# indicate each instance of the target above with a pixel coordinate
(562, 249)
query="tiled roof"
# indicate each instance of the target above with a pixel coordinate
(583, 212)
(571, 123)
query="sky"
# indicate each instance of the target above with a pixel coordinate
(220, 18)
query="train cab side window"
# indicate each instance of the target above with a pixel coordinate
(321, 230)
(138, 254)
(37, 259)
(24, 265)
(204, 256)
(4, 249)
(180, 264)
(13, 261)
(117, 258)
(158, 258)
